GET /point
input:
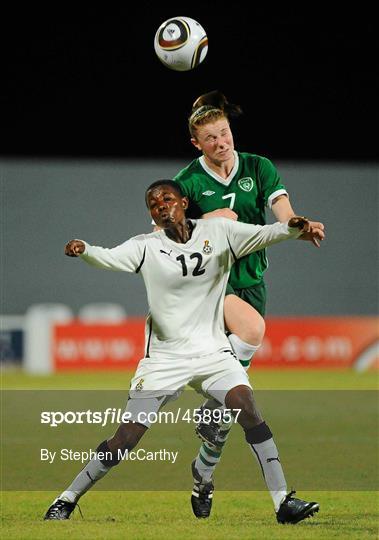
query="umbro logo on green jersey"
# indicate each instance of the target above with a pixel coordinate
(208, 193)
(246, 184)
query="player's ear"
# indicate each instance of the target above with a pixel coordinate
(185, 202)
(195, 143)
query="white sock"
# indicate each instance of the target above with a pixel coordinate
(206, 469)
(243, 350)
(91, 473)
(267, 456)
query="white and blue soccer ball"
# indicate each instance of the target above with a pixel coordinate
(181, 43)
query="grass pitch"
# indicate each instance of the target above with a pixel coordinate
(262, 379)
(236, 514)
(167, 515)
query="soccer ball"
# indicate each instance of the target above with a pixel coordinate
(181, 43)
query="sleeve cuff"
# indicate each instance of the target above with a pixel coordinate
(86, 246)
(294, 231)
(274, 195)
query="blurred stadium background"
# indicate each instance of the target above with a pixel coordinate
(47, 202)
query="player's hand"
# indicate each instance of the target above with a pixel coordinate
(74, 248)
(299, 222)
(221, 212)
(313, 231)
(315, 234)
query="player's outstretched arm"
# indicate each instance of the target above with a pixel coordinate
(74, 248)
(283, 211)
(126, 257)
(245, 238)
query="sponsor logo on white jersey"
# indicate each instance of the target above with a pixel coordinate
(208, 193)
(246, 184)
(166, 252)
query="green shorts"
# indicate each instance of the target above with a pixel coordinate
(255, 296)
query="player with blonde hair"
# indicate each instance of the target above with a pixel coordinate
(238, 186)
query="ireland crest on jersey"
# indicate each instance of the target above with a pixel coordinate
(246, 184)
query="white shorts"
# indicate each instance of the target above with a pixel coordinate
(160, 380)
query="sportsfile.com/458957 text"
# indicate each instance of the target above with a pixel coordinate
(116, 416)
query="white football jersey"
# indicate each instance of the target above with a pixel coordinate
(185, 283)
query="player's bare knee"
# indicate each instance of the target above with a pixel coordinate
(255, 332)
(241, 400)
(243, 320)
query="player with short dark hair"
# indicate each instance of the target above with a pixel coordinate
(181, 264)
(174, 185)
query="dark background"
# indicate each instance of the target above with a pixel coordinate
(85, 81)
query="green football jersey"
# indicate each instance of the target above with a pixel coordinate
(252, 184)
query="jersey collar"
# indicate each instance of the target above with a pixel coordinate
(194, 236)
(218, 178)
